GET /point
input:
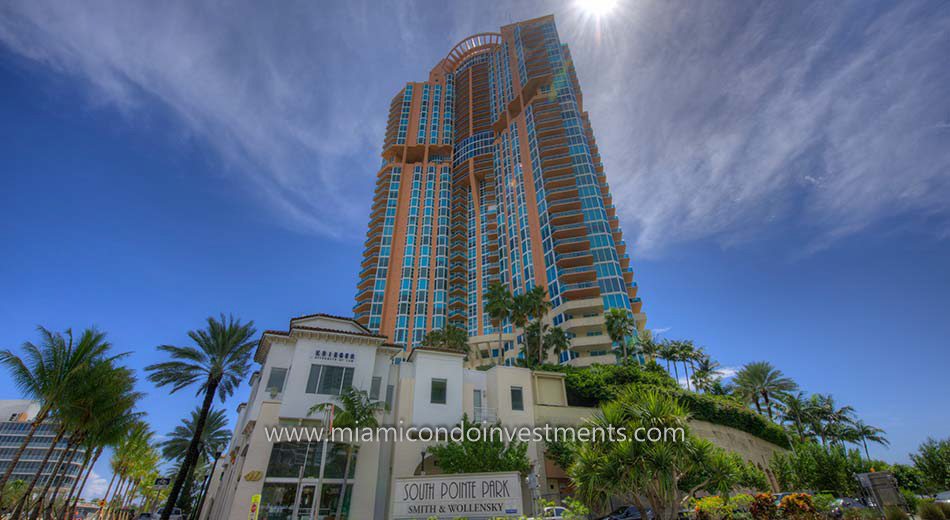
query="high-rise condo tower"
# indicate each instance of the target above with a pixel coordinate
(490, 172)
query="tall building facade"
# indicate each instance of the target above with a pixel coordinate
(490, 171)
(16, 419)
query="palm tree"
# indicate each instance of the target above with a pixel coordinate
(705, 373)
(535, 304)
(556, 340)
(760, 380)
(647, 344)
(797, 413)
(498, 305)
(357, 410)
(103, 391)
(620, 324)
(534, 334)
(46, 373)
(667, 352)
(828, 420)
(451, 337)
(218, 364)
(864, 432)
(684, 353)
(214, 437)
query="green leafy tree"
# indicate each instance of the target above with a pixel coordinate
(759, 383)
(556, 340)
(861, 432)
(813, 466)
(217, 363)
(356, 409)
(933, 461)
(707, 373)
(486, 453)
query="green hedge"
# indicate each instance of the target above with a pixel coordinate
(590, 386)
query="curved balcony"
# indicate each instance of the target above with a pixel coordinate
(576, 259)
(571, 245)
(474, 44)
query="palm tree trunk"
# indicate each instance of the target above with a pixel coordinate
(500, 341)
(41, 501)
(192, 454)
(686, 375)
(18, 510)
(346, 473)
(65, 470)
(40, 417)
(624, 343)
(105, 497)
(758, 407)
(677, 370)
(768, 404)
(866, 453)
(75, 498)
(87, 456)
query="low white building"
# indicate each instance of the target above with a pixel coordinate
(320, 355)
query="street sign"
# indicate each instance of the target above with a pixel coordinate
(161, 482)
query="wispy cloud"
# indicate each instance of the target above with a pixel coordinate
(722, 120)
(719, 120)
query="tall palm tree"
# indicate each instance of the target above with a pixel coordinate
(356, 410)
(863, 432)
(498, 305)
(535, 305)
(556, 340)
(828, 420)
(217, 364)
(760, 382)
(46, 372)
(685, 351)
(534, 334)
(648, 344)
(797, 413)
(214, 437)
(706, 373)
(667, 352)
(620, 324)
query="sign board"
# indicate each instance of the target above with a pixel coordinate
(474, 496)
(162, 482)
(255, 507)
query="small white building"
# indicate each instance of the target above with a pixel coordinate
(320, 355)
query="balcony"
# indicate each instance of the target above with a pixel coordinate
(570, 230)
(567, 217)
(571, 245)
(575, 259)
(484, 413)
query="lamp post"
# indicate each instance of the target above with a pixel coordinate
(201, 501)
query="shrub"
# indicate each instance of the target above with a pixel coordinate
(763, 507)
(895, 513)
(911, 499)
(713, 507)
(929, 511)
(823, 502)
(945, 509)
(869, 513)
(741, 502)
(796, 505)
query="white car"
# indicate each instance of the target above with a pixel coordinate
(552, 513)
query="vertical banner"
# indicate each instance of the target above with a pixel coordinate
(255, 506)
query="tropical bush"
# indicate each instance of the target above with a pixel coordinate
(713, 507)
(911, 499)
(796, 505)
(813, 466)
(929, 511)
(933, 461)
(823, 502)
(763, 507)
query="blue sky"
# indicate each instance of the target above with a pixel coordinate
(782, 170)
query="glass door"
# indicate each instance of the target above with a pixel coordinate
(306, 502)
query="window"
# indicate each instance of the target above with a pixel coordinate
(328, 379)
(14, 417)
(275, 383)
(389, 396)
(517, 398)
(437, 396)
(374, 387)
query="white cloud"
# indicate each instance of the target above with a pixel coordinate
(720, 120)
(95, 486)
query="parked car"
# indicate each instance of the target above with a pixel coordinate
(552, 513)
(943, 498)
(841, 504)
(627, 513)
(147, 516)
